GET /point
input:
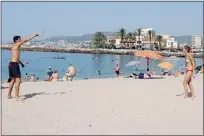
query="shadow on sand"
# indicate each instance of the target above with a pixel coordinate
(189, 94)
(27, 96)
(2, 87)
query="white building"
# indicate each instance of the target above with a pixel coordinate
(114, 39)
(171, 43)
(197, 41)
(144, 31)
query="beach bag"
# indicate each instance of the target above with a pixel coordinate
(141, 75)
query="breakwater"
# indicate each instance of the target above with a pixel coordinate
(96, 51)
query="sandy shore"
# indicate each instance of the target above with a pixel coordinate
(104, 106)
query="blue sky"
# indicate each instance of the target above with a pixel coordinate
(77, 18)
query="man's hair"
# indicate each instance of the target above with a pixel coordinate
(15, 38)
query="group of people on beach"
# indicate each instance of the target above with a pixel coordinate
(15, 74)
(53, 76)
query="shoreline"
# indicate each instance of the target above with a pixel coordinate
(96, 51)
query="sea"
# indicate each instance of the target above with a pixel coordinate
(87, 65)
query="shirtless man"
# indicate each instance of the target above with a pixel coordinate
(71, 72)
(117, 70)
(14, 69)
(55, 76)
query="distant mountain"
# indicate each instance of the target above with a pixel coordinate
(183, 39)
(87, 37)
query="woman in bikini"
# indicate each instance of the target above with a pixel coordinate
(190, 67)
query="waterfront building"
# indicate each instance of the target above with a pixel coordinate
(172, 43)
(197, 41)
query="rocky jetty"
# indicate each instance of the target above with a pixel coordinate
(96, 51)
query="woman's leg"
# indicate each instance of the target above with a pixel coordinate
(191, 85)
(187, 78)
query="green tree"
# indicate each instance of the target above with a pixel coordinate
(139, 33)
(154, 36)
(150, 38)
(122, 34)
(159, 39)
(99, 40)
(129, 39)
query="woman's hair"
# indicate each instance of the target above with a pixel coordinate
(188, 48)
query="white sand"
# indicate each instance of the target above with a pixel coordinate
(105, 106)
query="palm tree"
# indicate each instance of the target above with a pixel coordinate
(122, 34)
(150, 37)
(154, 36)
(99, 40)
(130, 37)
(134, 37)
(159, 40)
(139, 33)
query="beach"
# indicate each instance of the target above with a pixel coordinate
(104, 106)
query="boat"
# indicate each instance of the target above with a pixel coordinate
(58, 57)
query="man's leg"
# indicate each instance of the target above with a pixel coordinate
(11, 87)
(17, 86)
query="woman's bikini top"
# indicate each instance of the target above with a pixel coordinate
(187, 61)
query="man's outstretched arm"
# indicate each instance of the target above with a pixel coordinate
(27, 39)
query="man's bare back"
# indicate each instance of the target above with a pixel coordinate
(71, 71)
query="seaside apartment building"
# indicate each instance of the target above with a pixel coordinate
(197, 41)
(172, 43)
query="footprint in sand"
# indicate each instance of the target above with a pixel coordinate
(114, 112)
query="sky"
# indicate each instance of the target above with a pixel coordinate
(77, 18)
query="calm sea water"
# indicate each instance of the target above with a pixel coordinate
(88, 67)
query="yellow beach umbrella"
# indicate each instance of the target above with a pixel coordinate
(165, 65)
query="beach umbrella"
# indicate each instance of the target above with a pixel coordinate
(166, 65)
(132, 63)
(149, 55)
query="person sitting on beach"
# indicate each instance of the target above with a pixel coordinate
(26, 77)
(49, 74)
(153, 72)
(201, 70)
(147, 75)
(163, 73)
(37, 79)
(55, 76)
(70, 72)
(32, 78)
(177, 74)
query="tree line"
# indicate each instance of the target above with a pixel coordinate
(128, 40)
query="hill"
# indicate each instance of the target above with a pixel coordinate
(87, 37)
